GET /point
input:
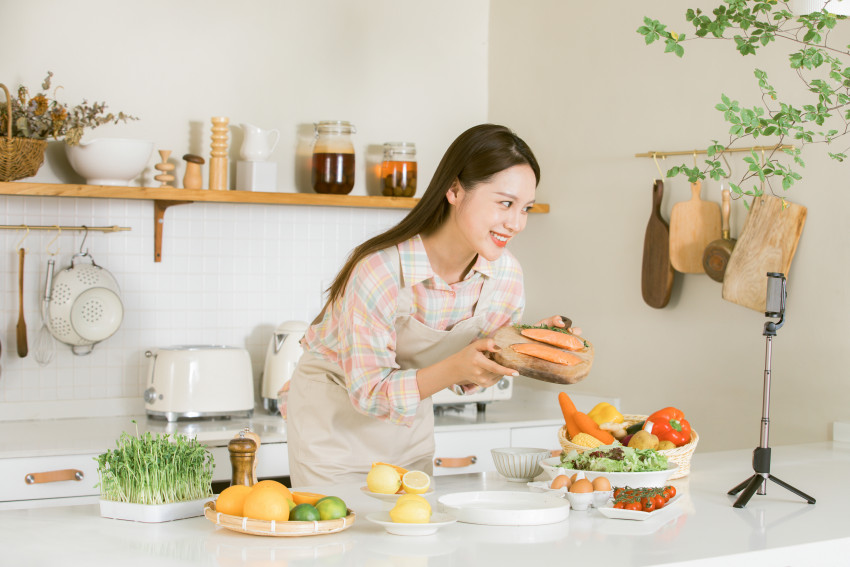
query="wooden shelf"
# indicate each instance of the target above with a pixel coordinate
(164, 198)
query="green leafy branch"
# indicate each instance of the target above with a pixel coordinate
(751, 25)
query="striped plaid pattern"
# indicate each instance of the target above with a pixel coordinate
(358, 333)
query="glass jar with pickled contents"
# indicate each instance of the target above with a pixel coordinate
(398, 169)
(333, 157)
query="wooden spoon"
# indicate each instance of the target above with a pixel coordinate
(22, 325)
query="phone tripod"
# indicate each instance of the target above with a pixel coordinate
(761, 454)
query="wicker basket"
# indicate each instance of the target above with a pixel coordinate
(680, 455)
(19, 157)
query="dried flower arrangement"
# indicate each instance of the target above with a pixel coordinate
(40, 117)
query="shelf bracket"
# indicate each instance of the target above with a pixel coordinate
(159, 207)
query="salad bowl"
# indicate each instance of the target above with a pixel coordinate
(553, 467)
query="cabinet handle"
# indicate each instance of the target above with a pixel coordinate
(455, 462)
(556, 452)
(54, 476)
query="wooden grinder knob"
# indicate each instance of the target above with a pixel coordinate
(243, 452)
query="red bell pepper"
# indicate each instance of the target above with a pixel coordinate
(669, 424)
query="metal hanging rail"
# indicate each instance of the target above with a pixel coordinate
(61, 228)
(695, 152)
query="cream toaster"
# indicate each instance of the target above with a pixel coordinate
(199, 381)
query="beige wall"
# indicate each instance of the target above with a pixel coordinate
(577, 82)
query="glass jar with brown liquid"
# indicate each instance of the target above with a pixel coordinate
(398, 170)
(333, 157)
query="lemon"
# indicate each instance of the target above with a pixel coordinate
(410, 513)
(331, 508)
(415, 498)
(415, 482)
(383, 479)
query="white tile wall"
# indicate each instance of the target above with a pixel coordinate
(230, 273)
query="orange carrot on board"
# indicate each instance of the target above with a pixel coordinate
(587, 425)
(569, 409)
(550, 354)
(555, 338)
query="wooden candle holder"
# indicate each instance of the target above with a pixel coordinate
(218, 154)
(165, 177)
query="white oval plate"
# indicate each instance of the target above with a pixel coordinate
(633, 479)
(619, 514)
(500, 508)
(438, 520)
(390, 497)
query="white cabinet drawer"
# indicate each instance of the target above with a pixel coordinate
(272, 461)
(52, 477)
(541, 437)
(456, 450)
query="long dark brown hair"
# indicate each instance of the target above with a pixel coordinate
(474, 157)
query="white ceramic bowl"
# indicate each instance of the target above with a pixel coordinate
(634, 479)
(110, 161)
(519, 464)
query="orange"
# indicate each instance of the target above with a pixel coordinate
(276, 485)
(400, 470)
(306, 497)
(232, 499)
(266, 503)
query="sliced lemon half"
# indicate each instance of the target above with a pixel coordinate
(415, 482)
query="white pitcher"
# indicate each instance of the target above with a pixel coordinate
(258, 144)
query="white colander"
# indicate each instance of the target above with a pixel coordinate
(84, 306)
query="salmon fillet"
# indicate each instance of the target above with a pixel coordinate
(547, 353)
(555, 338)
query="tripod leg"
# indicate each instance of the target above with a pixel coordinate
(787, 486)
(740, 487)
(753, 485)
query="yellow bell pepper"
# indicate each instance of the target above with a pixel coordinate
(604, 412)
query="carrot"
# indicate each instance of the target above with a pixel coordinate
(550, 354)
(568, 408)
(554, 338)
(587, 425)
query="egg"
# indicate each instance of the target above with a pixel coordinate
(560, 481)
(600, 483)
(582, 485)
(576, 476)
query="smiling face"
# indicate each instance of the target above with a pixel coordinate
(487, 216)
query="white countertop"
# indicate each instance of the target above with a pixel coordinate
(776, 529)
(48, 437)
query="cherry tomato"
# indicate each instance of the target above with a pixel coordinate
(647, 504)
(659, 500)
(633, 506)
(619, 505)
(618, 491)
(672, 490)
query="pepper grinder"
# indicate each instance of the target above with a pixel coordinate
(243, 455)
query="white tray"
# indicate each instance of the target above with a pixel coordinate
(620, 514)
(152, 513)
(498, 508)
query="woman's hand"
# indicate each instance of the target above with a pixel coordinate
(558, 321)
(471, 365)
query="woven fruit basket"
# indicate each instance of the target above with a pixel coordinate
(680, 455)
(19, 157)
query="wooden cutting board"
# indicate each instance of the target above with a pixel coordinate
(694, 225)
(536, 368)
(767, 243)
(656, 282)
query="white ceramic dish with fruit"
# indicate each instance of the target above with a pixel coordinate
(390, 497)
(438, 520)
(552, 467)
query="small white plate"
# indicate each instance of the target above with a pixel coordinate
(500, 508)
(438, 521)
(390, 497)
(619, 514)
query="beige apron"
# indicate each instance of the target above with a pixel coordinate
(328, 441)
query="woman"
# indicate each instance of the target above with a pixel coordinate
(409, 313)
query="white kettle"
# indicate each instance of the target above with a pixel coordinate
(281, 357)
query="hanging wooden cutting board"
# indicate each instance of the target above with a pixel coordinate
(694, 225)
(767, 243)
(656, 282)
(537, 368)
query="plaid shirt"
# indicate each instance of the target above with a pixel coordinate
(358, 332)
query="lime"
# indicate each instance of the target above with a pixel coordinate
(304, 513)
(383, 479)
(291, 505)
(331, 508)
